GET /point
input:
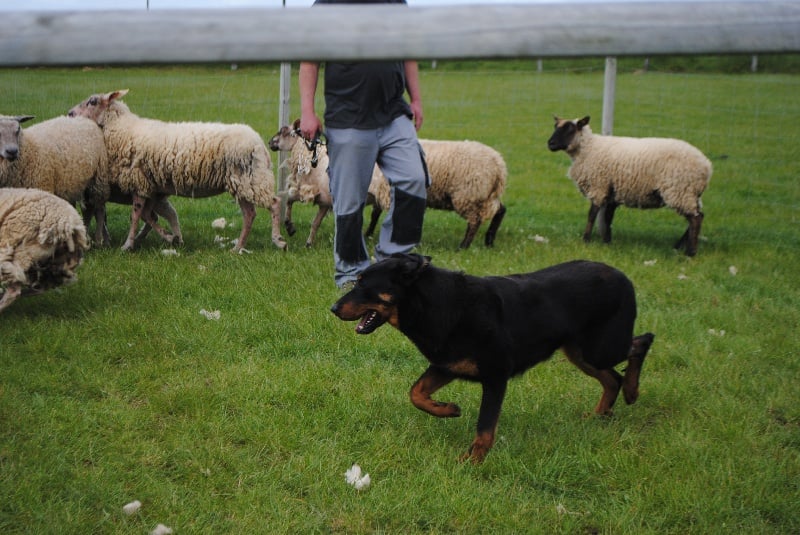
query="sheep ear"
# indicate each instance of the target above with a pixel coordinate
(23, 118)
(583, 122)
(114, 95)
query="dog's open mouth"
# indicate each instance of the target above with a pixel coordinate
(369, 322)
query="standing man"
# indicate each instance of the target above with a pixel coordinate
(368, 121)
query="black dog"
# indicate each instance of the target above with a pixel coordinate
(489, 329)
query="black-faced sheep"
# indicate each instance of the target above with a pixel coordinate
(467, 177)
(42, 242)
(636, 172)
(64, 157)
(151, 159)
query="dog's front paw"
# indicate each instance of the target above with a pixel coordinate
(446, 410)
(475, 454)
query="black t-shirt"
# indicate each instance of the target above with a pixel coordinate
(364, 94)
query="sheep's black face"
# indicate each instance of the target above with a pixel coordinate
(563, 135)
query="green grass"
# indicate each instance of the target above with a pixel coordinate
(116, 388)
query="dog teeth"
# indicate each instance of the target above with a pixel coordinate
(368, 318)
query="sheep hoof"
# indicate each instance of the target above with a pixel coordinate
(280, 243)
(290, 229)
(129, 245)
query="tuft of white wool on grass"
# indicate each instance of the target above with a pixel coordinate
(210, 314)
(354, 477)
(161, 529)
(540, 239)
(219, 223)
(649, 262)
(132, 508)
(169, 252)
(733, 271)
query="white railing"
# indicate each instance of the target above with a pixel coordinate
(395, 32)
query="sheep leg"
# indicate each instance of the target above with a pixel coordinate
(321, 213)
(101, 236)
(164, 208)
(373, 221)
(594, 209)
(692, 234)
(10, 295)
(287, 222)
(248, 216)
(472, 229)
(604, 219)
(149, 216)
(494, 225)
(136, 214)
(275, 216)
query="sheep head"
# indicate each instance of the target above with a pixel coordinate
(96, 106)
(566, 131)
(10, 131)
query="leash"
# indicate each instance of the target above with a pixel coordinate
(311, 145)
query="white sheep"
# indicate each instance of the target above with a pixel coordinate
(151, 159)
(61, 156)
(467, 177)
(636, 172)
(66, 158)
(307, 182)
(42, 242)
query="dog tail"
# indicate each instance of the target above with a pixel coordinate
(640, 345)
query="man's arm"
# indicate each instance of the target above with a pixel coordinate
(412, 86)
(310, 124)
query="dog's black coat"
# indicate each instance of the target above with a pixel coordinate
(489, 329)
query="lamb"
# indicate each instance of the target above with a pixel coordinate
(636, 172)
(61, 156)
(42, 242)
(152, 159)
(467, 177)
(306, 182)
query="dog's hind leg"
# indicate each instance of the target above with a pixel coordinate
(429, 382)
(609, 379)
(640, 345)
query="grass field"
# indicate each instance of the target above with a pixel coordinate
(117, 389)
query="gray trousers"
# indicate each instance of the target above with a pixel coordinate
(353, 153)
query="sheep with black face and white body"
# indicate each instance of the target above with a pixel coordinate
(636, 172)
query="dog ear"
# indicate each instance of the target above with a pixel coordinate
(413, 265)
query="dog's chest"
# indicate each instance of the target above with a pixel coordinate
(463, 368)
